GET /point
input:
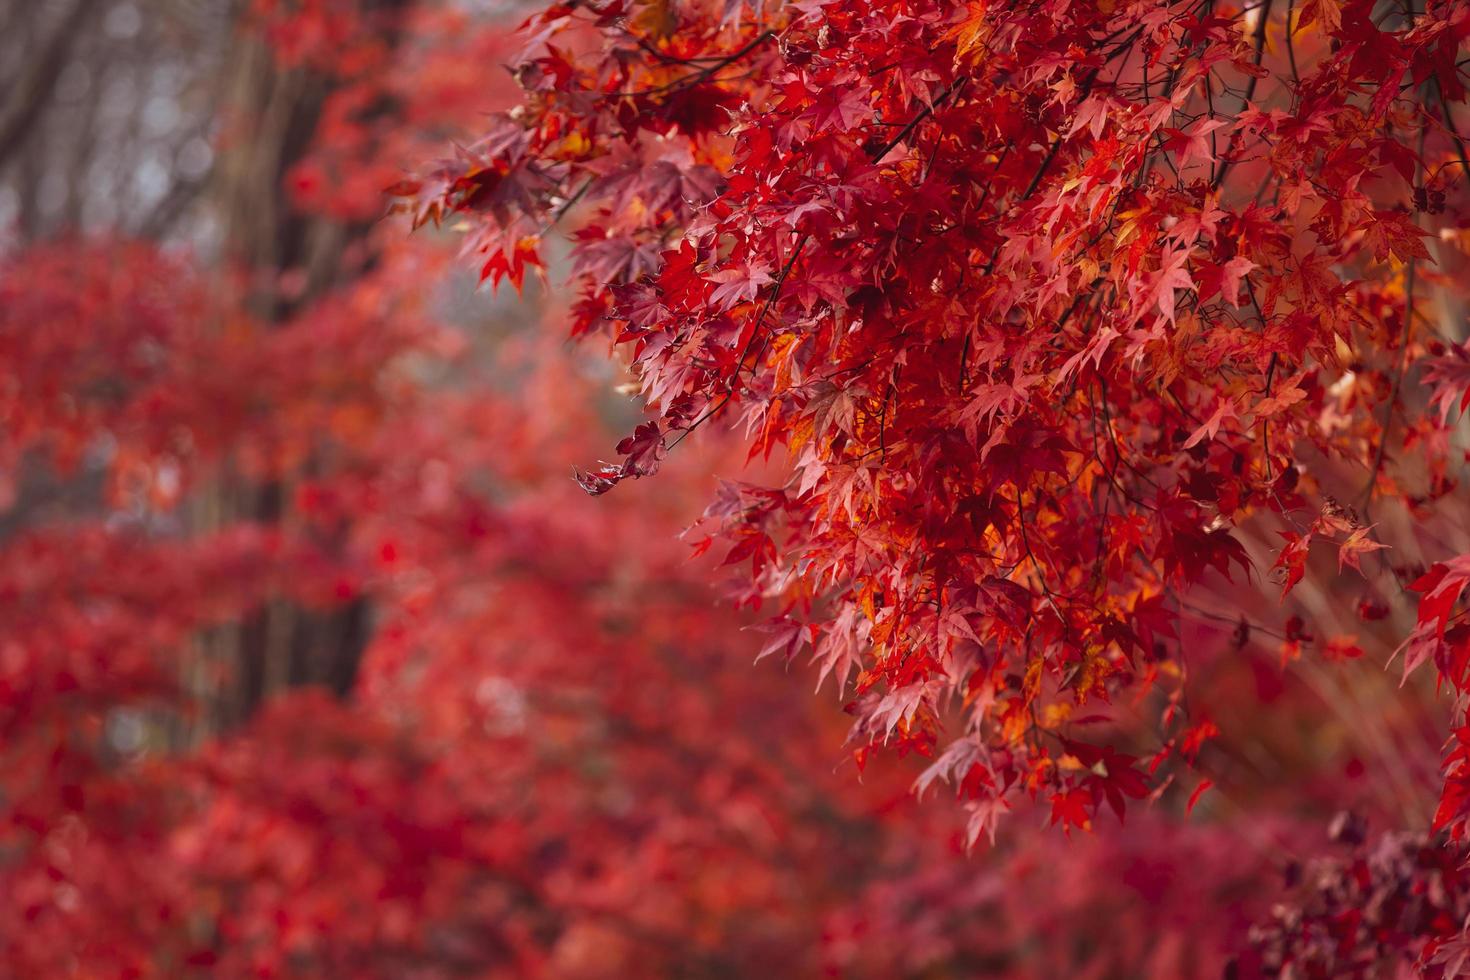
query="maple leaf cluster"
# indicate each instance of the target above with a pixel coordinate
(1047, 309)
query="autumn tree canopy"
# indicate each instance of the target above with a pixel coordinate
(1069, 321)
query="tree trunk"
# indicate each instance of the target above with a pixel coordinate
(271, 117)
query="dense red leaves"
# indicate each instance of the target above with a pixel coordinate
(1365, 910)
(1046, 302)
(557, 760)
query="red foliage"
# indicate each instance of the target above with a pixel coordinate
(1051, 306)
(1047, 324)
(557, 760)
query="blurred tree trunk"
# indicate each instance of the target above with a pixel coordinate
(28, 90)
(272, 115)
